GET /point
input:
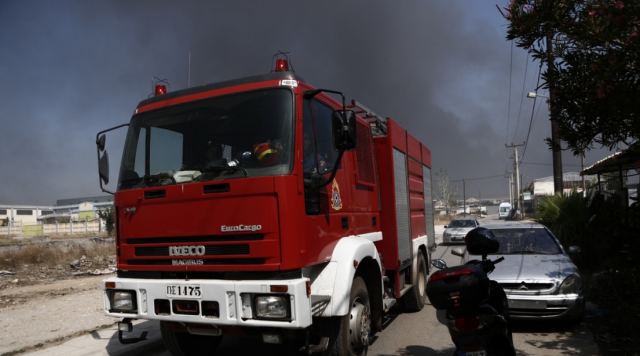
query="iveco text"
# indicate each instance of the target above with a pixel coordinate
(186, 250)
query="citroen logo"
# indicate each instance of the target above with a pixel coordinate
(523, 286)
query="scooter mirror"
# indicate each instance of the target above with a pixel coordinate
(481, 241)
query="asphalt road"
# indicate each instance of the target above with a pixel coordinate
(406, 334)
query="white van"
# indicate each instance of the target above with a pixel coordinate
(503, 210)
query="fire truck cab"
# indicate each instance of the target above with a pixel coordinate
(265, 205)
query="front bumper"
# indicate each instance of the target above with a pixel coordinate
(551, 307)
(448, 239)
(227, 294)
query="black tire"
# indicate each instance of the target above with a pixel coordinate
(181, 343)
(416, 298)
(341, 337)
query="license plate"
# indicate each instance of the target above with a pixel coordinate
(476, 353)
(471, 353)
(527, 304)
(184, 291)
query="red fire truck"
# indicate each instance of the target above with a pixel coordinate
(270, 207)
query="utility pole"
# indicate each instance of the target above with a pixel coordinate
(464, 198)
(555, 129)
(584, 185)
(509, 175)
(516, 170)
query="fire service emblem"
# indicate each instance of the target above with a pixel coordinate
(336, 201)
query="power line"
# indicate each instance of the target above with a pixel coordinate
(506, 134)
(478, 178)
(547, 164)
(524, 82)
(533, 108)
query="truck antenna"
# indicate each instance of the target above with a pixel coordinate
(189, 72)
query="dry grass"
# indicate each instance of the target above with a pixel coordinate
(50, 255)
(443, 219)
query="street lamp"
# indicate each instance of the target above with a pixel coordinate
(533, 94)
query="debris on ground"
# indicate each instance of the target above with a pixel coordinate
(48, 260)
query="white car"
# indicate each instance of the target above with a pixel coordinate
(503, 210)
(538, 276)
(458, 229)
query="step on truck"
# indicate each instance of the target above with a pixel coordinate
(268, 207)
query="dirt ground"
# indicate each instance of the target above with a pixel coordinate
(51, 290)
(42, 314)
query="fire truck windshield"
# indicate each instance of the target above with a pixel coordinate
(239, 135)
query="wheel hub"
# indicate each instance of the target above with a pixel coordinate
(359, 325)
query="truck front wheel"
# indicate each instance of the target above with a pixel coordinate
(416, 298)
(352, 333)
(180, 343)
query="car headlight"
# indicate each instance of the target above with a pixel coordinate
(123, 301)
(571, 285)
(272, 306)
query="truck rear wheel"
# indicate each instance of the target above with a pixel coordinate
(181, 343)
(416, 298)
(352, 333)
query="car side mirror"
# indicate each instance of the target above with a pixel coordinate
(344, 129)
(574, 250)
(439, 264)
(445, 226)
(457, 252)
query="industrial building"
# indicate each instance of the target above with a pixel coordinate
(33, 219)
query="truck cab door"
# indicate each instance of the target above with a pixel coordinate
(319, 158)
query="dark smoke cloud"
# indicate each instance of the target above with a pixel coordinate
(71, 68)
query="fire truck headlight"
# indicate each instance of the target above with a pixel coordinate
(123, 301)
(272, 306)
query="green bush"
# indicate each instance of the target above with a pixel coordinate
(109, 217)
(605, 229)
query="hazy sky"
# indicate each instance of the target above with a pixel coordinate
(441, 68)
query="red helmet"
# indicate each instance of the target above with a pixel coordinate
(265, 153)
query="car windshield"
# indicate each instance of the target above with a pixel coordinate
(531, 241)
(462, 223)
(239, 135)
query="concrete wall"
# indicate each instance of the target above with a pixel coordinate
(31, 230)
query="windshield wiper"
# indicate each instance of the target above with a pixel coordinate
(528, 252)
(158, 179)
(220, 170)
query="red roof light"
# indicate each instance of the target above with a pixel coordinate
(282, 65)
(160, 89)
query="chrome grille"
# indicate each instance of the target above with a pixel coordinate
(523, 287)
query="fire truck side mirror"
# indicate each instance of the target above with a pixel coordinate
(344, 129)
(103, 157)
(101, 142)
(103, 168)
